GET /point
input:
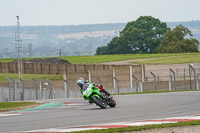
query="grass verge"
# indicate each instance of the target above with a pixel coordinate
(8, 106)
(174, 58)
(140, 128)
(110, 58)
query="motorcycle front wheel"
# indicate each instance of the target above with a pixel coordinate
(112, 103)
(98, 102)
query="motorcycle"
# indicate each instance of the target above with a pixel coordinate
(96, 94)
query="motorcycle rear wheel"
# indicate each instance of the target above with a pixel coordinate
(98, 102)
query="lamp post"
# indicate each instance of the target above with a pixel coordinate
(18, 47)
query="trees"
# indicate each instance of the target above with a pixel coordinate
(178, 40)
(101, 50)
(140, 36)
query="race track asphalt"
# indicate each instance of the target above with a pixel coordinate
(129, 108)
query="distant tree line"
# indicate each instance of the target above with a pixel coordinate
(150, 35)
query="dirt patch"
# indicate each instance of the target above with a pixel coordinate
(47, 60)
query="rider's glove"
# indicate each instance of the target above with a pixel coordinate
(81, 91)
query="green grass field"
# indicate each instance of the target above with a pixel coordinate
(178, 59)
(110, 58)
(4, 106)
(175, 58)
(3, 77)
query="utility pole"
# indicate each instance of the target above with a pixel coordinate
(18, 48)
(60, 52)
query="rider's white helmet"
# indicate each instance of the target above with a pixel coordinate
(80, 81)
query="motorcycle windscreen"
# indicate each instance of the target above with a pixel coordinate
(85, 86)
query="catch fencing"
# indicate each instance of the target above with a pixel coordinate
(19, 90)
(116, 79)
(172, 79)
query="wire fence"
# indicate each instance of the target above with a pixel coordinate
(19, 90)
(158, 80)
(176, 79)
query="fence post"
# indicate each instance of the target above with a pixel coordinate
(154, 76)
(89, 75)
(136, 83)
(174, 78)
(99, 80)
(11, 89)
(184, 74)
(66, 88)
(143, 73)
(117, 84)
(195, 76)
(66, 84)
(170, 88)
(131, 77)
(41, 90)
(51, 90)
(177, 72)
(36, 88)
(114, 78)
(190, 76)
(22, 86)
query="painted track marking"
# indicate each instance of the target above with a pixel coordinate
(4, 115)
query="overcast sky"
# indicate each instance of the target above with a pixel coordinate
(75, 12)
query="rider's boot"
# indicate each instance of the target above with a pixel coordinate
(110, 98)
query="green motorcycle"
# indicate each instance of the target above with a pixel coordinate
(95, 94)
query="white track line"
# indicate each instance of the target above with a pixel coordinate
(59, 130)
(4, 115)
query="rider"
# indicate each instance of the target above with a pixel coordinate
(81, 82)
